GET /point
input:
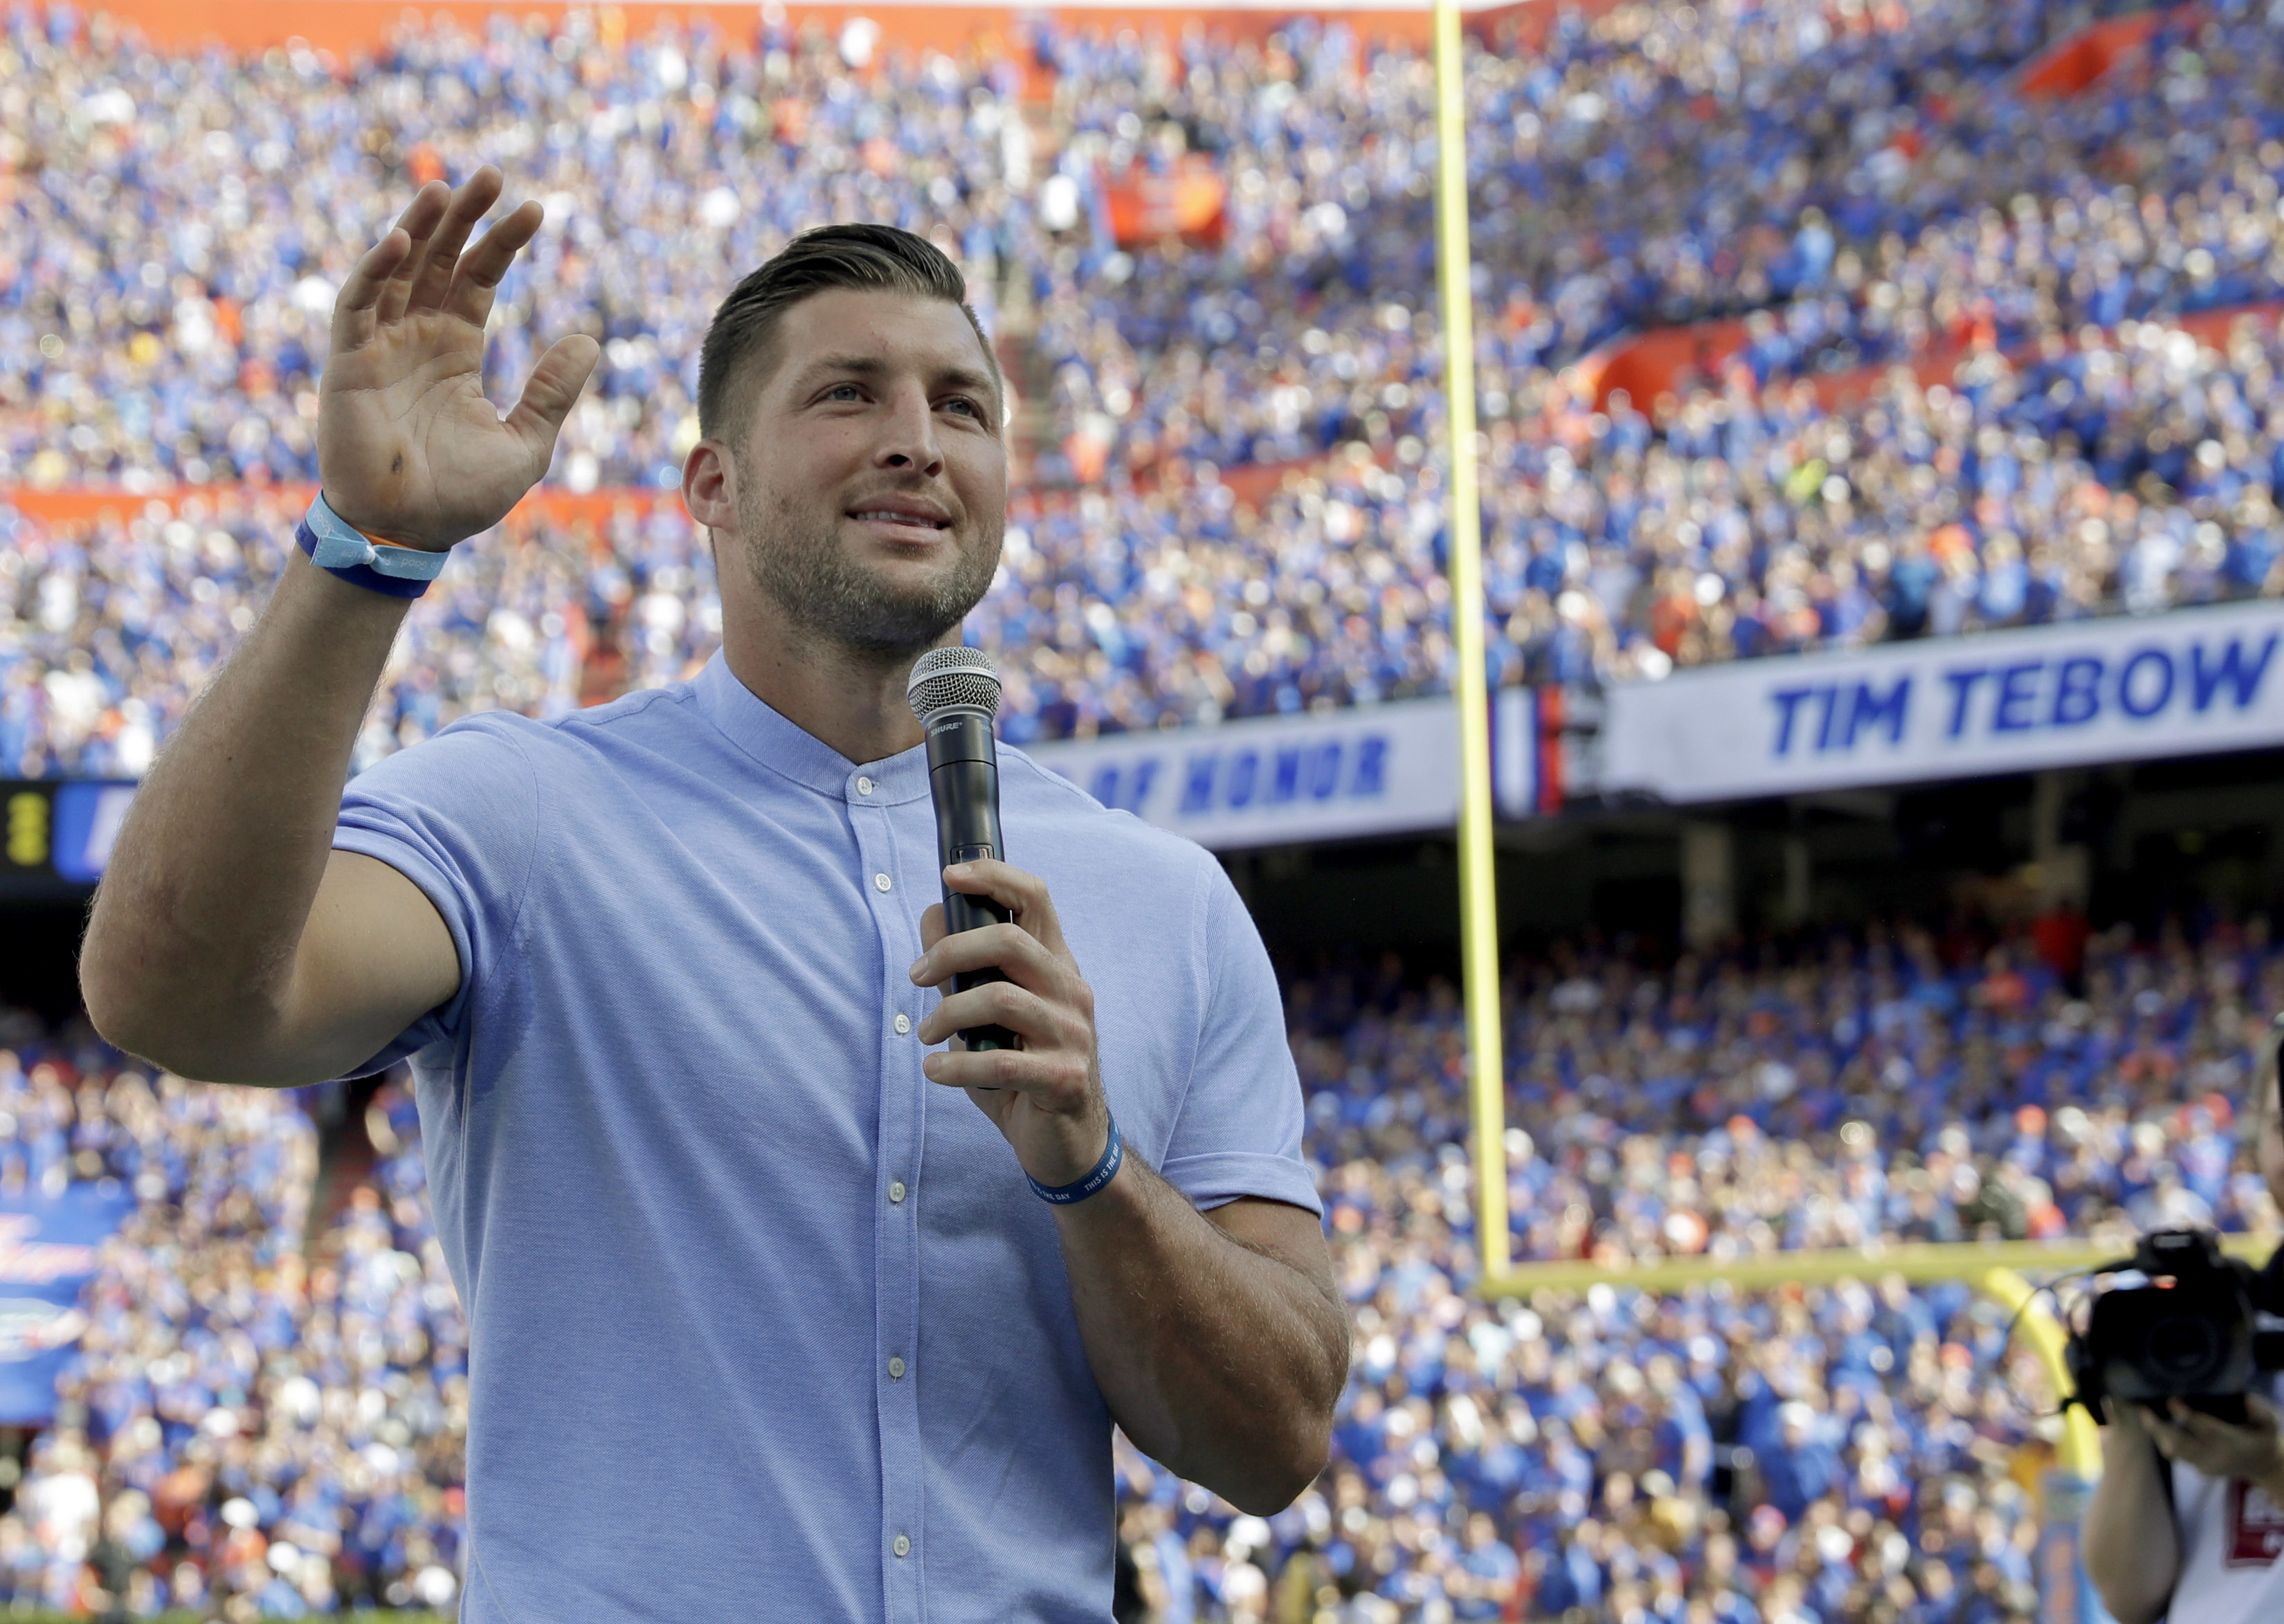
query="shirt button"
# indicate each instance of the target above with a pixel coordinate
(895, 1370)
(881, 882)
(896, 1191)
(903, 1025)
(903, 1547)
(864, 786)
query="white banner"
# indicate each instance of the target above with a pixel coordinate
(2186, 682)
(1267, 780)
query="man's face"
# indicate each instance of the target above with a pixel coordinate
(873, 488)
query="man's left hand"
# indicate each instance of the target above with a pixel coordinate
(2253, 1452)
(1046, 1096)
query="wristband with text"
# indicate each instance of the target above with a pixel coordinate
(1105, 1170)
(339, 548)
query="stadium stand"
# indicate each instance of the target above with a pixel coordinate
(252, 1417)
(1259, 526)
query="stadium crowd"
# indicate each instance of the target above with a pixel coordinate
(161, 321)
(2101, 478)
(259, 1428)
(247, 1423)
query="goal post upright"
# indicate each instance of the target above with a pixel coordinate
(1478, 887)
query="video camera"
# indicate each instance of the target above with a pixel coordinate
(2189, 1333)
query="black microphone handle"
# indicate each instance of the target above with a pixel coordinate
(963, 780)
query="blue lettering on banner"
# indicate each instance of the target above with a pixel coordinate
(2018, 693)
(1787, 701)
(1137, 781)
(1198, 784)
(1962, 682)
(1845, 712)
(2204, 683)
(1868, 709)
(1371, 766)
(2027, 695)
(2146, 659)
(2077, 691)
(1824, 719)
(1262, 778)
(1285, 783)
(1243, 772)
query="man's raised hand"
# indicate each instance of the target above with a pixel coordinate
(409, 448)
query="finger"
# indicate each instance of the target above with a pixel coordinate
(2260, 1410)
(556, 380)
(418, 221)
(354, 309)
(470, 203)
(2163, 1434)
(996, 1004)
(1007, 948)
(1052, 1085)
(1023, 895)
(475, 282)
(931, 928)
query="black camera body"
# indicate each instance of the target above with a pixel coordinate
(2190, 1334)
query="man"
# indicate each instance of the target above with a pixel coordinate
(2187, 1521)
(764, 1319)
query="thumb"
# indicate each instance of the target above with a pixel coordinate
(554, 385)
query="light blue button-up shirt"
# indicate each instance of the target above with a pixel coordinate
(766, 1325)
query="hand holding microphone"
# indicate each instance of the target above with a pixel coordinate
(1017, 996)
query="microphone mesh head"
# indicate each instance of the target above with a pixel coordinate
(944, 679)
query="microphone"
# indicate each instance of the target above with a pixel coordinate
(955, 693)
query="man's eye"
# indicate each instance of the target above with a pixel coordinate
(840, 392)
(965, 404)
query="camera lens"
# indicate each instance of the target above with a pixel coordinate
(2184, 1349)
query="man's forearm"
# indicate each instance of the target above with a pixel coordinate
(2132, 1553)
(1220, 1359)
(192, 937)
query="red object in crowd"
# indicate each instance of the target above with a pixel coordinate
(2061, 934)
(1147, 207)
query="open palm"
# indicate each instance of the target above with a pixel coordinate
(409, 448)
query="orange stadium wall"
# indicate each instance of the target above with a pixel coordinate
(78, 503)
(1647, 366)
(351, 26)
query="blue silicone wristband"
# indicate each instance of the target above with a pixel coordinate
(1105, 1170)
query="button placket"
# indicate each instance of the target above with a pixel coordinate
(897, 1145)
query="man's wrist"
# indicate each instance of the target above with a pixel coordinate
(392, 569)
(1092, 1182)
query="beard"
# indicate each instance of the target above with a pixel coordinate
(798, 560)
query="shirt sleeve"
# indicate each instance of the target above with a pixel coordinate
(458, 816)
(1239, 1130)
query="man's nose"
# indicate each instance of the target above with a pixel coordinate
(908, 440)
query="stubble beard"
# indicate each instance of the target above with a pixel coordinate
(798, 561)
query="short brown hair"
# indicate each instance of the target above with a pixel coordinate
(879, 257)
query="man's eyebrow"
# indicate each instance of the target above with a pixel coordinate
(863, 366)
(958, 377)
(967, 377)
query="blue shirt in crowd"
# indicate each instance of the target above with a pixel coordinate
(760, 1317)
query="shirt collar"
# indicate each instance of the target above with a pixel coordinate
(785, 747)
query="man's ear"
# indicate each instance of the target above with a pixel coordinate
(709, 485)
